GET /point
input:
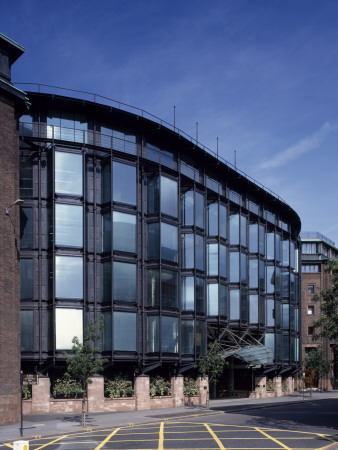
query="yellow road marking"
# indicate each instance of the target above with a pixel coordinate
(50, 443)
(9, 445)
(273, 439)
(214, 436)
(161, 437)
(107, 439)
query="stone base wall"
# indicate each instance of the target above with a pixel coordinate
(279, 391)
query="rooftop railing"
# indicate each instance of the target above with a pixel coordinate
(100, 99)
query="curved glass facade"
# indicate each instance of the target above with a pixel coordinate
(130, 222)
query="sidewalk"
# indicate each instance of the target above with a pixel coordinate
(55, 424)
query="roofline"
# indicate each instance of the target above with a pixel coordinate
(16, 49)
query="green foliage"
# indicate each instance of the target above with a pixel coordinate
(26, 391)
(270, 385)
(211, 364)
(190, 387)
(284, 385)
(159, 386)
(65, 387)
(118, 387)
(83, 364)
(317, 361)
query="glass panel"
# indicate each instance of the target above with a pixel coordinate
(169, 289)
(26, 279)
(277, 281)
(223, 261)
(68, 225)
(106, 232)
(124, 282)
(27, 330)
(188, 294)
(169, 334)
(270, 246)
(261, 275)
(253, 238)
(26, 227)
(286, 253)
(69, 277)
(153, 239)
(169, 242)
(278, 347)
(286, 347)
(223, 300)
(234, 229)
(244, 231)
(292, 286)
(212, 253)
(234, 304)
(68, 323)
(187, 208)
(107, 331)
(187, 330)
(106, 282)
(223, 214)
(212, 299)
(292, 318)
(187, 241)
(26, 177)
(199, 251)
(199, 210)
(270, 312)
(213, 219)
(169, 197)
(234, 267)
(153, 292)
(244, 306)
(278, 247)
(269, 341)
(124, 331)
(270, 279)
(153, 189)
(277, 314)
(106, 183)
(253, 273)
(253, 299)
(124, 183)
(292, 255)
(285, 317)
(285, 284)
(244, 268)
(261, 240)
(124, 232)
(261, 315)
(68, 173)
(153, 334)
(200, 296)
(200, 337)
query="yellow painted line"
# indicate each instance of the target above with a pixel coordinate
(52, 442)
(273, 439)
(161, 437)
(215, 437)
(9, 445)
(107, 439)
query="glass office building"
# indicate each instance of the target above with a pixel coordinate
(128, 219)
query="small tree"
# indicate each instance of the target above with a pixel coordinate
(211, 364)
(83, 364)
(316, 361)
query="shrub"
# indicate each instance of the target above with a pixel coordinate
(118, 387)
(159, 386)
(66, 387)
(270, 385)
(190, 387)
(26, 391)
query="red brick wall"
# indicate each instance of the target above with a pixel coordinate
(9, 265)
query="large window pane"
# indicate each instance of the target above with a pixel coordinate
(244, 306)
(27, 331)
(169, 289)
(212, 299)
(234, 229)
(187, 241)
(153, 239)
(187, 211)
(68, 225)
(213, 219)
(153, 287)
(253, 273)
(124, 232)
(169, 334)
(244, 231)
(124, 331)
(26, 227)
(234, 267)
(270, 312)
(253, 238)
(234, 304)
(200, 296)
(244, 268)
(187, 333)
(69, 277)
(153, 189)
(68, 173)
(261, 275)
(223, 300)
(106, 183)
(253, 299)
(26, 177)
(199, 210)
(26, 279)
(285, 316)
(212, 259)
(223, 214)
(270, 246)
(199, 252)
(286, 253)
(223, 261)
(153, 334)
(106, 232)
(188, 294)
(261, 239)
(269, 341)
(169, 197)
(124, 282)
(124, 183)
(270, 279)
(68, 323)
(169, 242)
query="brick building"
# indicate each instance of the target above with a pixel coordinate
(317, 249)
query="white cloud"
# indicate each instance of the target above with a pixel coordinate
(303, 146)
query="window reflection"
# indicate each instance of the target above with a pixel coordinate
(188, 294)
(223, 300)
(243, 231)
(187, 333)
(253, 273)
(169, 334)
(68, 225)
(169, 242)
(213, 219)
(187, 208)
(68, 173)
(234, 304)
(200, 296)
(212, 299)
(253, 299)
(26, 279)
(153, 287)
(27, 330)
(124, 183)
(26, 227)
(223, 214)
(124, 331)
(124, 232)
(169, 192)
(124, 282)
(69, 277)
(212, 250)
(234, 267)
(169, 289)
(68, 323)
(253, 238)
(234, 229)
(187, 243)
(153, 334)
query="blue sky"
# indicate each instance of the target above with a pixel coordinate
(261, 75)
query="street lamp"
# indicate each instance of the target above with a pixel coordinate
(18, 202)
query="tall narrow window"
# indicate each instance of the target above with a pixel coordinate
(234, 304)
(244, 231)
(213, 219)
(212, 299)
(234, 229)
(234, 267)
(153, 334)
(270, 246)
(68, 173)
(106, 231)
(26, 227)
(69, 277)
(223, 261)
(223, 300)
(253, 309)
(169, 192)
(253, 273)
(188, 294)
(153, 287)
(286, 253)
(124, 331)
(26, 177)
(188, 253)
(223, 215)
(199, 210)
(26, 279)
(68, 225)
(200, 296)
(68, 323)
(169, 242)
(124, 183)
(124, 282)
(253, 238)
(199, 252)
(124, 232)
(188, 335)
(212, 259)
(187, 209)
(169, 334)
(261, 239)
(27, 330)
(169, 289)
